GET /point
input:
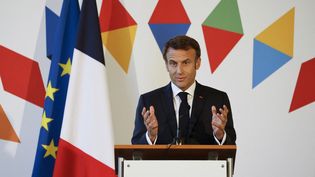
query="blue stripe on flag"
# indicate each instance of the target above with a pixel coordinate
(88, 42)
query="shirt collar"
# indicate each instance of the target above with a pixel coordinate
(190, 90)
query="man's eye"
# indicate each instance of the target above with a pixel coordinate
(186, 62)
(172, 63)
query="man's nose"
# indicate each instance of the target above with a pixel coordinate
(179, 68)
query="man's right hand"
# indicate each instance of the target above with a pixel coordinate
(150, 122)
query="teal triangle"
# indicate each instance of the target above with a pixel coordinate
(267, 60)
(225, 16)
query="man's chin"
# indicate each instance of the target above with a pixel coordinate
(181, 85)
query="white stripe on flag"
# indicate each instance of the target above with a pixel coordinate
(87, 120)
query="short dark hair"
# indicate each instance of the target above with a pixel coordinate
(182, 42)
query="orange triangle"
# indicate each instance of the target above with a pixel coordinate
(280, 34)
(120, 43)
(6, 130)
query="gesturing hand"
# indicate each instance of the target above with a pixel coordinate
(219, 121)
(150, 122)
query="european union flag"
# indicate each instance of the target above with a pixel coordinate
(56, 91)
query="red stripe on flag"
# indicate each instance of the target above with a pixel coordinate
(74, 162)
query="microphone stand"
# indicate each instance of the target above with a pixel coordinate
(176, 140)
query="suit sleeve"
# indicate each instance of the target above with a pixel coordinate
(139, 132)
(229, 128)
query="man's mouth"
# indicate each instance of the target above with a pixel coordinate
(180, 79)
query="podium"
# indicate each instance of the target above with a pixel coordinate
(136, 158)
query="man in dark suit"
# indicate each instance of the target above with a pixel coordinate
(202, 116)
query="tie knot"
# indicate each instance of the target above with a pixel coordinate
(183, 96)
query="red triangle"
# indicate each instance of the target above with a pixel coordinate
(219, 43)
(305, 86)
(114, 16)
(6, 130)
(167, 12)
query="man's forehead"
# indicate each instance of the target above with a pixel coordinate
(180, 53)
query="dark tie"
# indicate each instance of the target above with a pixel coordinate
(183, 116)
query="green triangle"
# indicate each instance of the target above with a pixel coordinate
(225, 16)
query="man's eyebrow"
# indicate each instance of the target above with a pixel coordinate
(187, 59)
(172, 60)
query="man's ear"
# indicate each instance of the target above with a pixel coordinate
(198, 63)
(165, 61)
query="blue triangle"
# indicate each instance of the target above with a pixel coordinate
(267, 60)
(163, 32)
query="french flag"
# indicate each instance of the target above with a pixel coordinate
(86, 146)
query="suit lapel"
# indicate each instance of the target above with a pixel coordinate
(169, 108)
(197, 107)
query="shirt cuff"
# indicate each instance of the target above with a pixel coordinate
(222, 141)
(148, 139)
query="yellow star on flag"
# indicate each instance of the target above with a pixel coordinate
(66, 67)
(45, 121)
(50, 91)
(51, 149)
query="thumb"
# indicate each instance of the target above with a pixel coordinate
(213, 110)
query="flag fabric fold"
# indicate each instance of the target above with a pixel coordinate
(61, 57)
(86, 146)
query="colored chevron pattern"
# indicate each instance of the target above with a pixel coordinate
(118, 30)
(222, 30)
(273, 47)
(21, 76)
(165, 24)
(6, 130)
(304, 90)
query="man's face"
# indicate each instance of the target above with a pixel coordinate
(182, 66)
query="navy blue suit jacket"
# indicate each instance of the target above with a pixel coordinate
(200, 129)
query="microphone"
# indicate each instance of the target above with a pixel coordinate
(177, 139)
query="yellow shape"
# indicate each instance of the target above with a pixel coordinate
(51, 149)
(66, 67)
(119, 43)
(50, 91)
(45, 121)
(280, 34)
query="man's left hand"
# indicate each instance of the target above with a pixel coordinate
(219, 120)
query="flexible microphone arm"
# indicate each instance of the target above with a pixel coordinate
(177, 139)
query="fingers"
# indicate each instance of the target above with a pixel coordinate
(150, 122)
(145, 114)
(219, 119)
(152, 110)
(143, 111)
(223, 113)
(149, 118)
